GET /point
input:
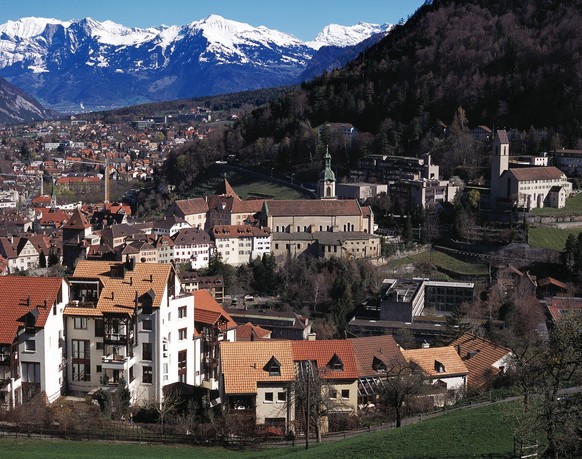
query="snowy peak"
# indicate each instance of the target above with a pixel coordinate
(343, 36)
(27, 27)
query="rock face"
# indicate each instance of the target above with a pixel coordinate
(100, 65)
(18, 107)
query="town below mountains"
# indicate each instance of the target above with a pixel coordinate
(300, 261)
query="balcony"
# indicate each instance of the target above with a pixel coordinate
(116, 337)
(116, 362)
(210, 384)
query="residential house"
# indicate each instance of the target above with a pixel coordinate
(443, 369)
(484, 360)
(138, 252)
(192, 281)
(257, 382)
(165, 248)
(76, 231)
(31, 338)
(192, 210)
(20, 253)
(193, 246)
(116, 235)
(128, 320)
(169, 226)
(250, 332)
(241, 244)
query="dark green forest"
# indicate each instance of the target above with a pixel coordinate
(453, 65)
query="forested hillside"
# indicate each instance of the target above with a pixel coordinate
(510, 63)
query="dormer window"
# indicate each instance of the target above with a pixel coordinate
(335, 363)
(378, 365)
(439, 367)
(273, 367)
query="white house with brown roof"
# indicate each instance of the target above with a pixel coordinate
(241, 244)
(193, 246)
(443, 369)
(129, 320)
(31, 338)
(192, 210)
(20, 253)
(528, 187)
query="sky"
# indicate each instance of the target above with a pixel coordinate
(302, 18)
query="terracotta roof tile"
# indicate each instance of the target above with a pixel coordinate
(307, 207)
(21, 295)
(427, 358)
(207, 310)
(323, 351)
(537, 173)
(243, 364)
(479, 355)
(369, 348)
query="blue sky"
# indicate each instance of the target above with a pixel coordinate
(302, 18)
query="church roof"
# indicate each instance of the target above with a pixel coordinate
(536, 173)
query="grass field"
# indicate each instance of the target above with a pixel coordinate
(447, 262)
(478, 433)
(573, 207)
(549, 237)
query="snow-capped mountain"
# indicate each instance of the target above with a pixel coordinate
(104, 64)
(344, 36)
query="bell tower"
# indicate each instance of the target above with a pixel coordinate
(326, 183)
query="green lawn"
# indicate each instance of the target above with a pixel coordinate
(478, 433)
(549, 237)
(573, 207)
(445, 261)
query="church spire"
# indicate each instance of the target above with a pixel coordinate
(326, 185)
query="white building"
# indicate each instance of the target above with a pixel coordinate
(528, 187)
(240, 244)
(128, 320)
(31, 338)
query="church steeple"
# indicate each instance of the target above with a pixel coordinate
(326, 184)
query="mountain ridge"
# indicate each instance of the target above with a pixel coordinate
(105, 63)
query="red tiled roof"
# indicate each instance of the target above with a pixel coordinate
(427, 358)
(208, 311)
(243, 364)
(536, 173)
(308, 207)
(479, 356)
(250, 332)
(21, 295)
(369, 348)
(322, 351)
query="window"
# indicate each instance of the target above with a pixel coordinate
(146, 351)
(146, 325)
(131, 375)
(81, 360)
(30, 372)
(282, 396)
(80, 323)
(183, 333)
(182, 359)
(30, 345)
(99, 327)
(98, 369)
(147, 375)
(269, 397)
(99, 345)
(333, 393)
(182, 312)
(345, 393)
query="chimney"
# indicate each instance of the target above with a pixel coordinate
(311, 336)
(425, 345)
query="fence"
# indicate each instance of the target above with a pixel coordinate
(137, 434)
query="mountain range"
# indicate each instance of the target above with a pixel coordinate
(97, 65)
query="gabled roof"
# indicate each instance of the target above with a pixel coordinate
(118, 293)
(323, 352)
(243, 364)
(480, 356)
(208, 311)
(427, 359)
(559, 306)
(20, 296)
(191, 236)
(383, 348)
(311, 207)
(536, 173)
(238, 231)
(250, 332)
(191, 206)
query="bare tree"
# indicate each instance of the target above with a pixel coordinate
(402, 383)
